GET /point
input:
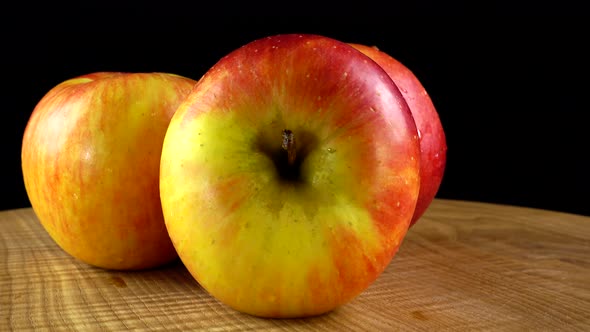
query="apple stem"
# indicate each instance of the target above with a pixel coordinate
(289, 145)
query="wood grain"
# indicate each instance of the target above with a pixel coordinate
(466, 266)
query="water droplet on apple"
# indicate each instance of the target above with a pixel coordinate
(75, 195)
(88, 154)
(419, 134)
(397, 203)
(331, 150)
(372, 109)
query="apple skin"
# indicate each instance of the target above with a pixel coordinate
(90, 162)
(273, 239)
(433, 145)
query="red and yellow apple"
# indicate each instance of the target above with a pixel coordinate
(433, 145)
(90, 161)
(289, 176)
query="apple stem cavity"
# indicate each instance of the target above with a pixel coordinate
(289, 146)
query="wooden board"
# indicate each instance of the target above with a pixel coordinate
(463, 266)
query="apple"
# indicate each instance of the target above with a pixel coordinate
(433, 145)
(289, 176)
(90, 161)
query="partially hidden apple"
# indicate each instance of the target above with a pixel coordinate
(433, 145)
(289, 176)
(90, 161)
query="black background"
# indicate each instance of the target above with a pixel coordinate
(510, 83)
